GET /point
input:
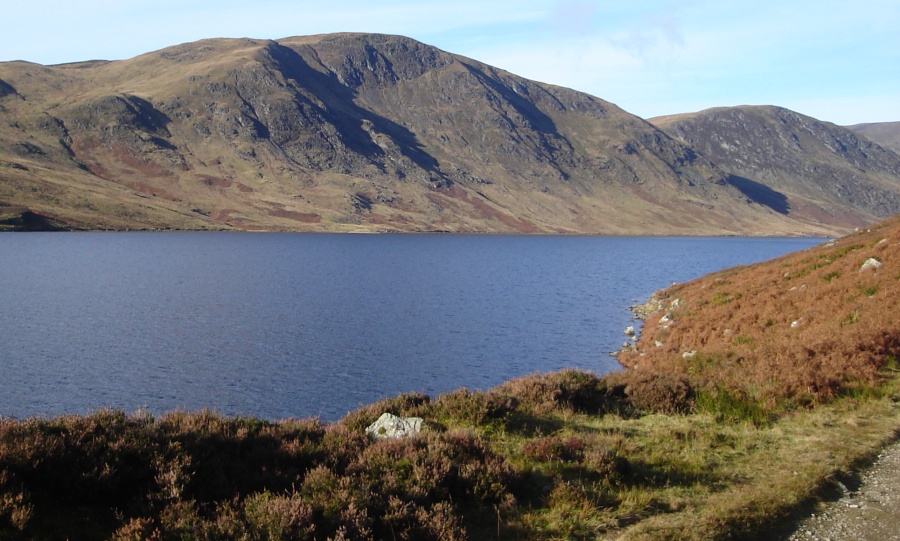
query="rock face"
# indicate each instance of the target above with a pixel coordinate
(363, 132)
(796, 165)
(389, 426)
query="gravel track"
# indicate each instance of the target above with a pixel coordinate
(871, 512)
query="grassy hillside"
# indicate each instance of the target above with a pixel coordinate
(370, 132)
(729, 439)
(886, 134)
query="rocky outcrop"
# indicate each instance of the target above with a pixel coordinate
(390, 426)
(870, 264)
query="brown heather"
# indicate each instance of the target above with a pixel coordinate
(732, 441)
(793, 331)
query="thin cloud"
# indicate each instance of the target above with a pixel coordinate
(656, 33)
(573, 17)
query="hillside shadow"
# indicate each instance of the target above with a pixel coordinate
(341, 110)
(548, 136)
(6, 89)
(29, 221)
(760, 193)
(539, 121)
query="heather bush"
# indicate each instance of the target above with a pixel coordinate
(136, 529)
(341, 445)
(237, 456)
(438, 522)
(660, 393)
(176, 521)
(427, 474)
(463, 407)
(568, 390)
(97, 459)
(15, 511)
(555, 448)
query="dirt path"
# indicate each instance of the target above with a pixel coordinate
(870, 512)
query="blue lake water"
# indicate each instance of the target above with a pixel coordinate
(299, 325)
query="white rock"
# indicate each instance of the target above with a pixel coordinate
(629, 331)
(872, 264)
(689, 354)
(389, 426)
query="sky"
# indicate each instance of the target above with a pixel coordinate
(837, 61)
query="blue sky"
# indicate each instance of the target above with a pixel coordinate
(834, 60)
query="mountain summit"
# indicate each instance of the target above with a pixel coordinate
(358, 132)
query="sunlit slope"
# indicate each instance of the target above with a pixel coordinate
(352, 132)
(803, 327)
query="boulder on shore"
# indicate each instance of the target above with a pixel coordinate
(389, 426)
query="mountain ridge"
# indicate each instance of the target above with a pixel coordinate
(351, 132)
(809, 164)
(886, 134)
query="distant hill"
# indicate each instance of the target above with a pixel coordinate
(886, 134)
(812, 170)
(368, 132)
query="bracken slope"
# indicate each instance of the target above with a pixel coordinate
(795, 330)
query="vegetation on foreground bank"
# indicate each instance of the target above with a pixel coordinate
(743, 402)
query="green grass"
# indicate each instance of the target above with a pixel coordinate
(726, 406)
(869, 291)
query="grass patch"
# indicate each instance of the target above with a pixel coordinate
(729, 407)
(869, 291)
(723, 297)
(851, 319)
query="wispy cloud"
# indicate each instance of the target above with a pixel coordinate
(573, 17)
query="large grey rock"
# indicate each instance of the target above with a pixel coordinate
(389, 426)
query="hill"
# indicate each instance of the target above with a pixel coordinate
(886, 134)
(799, 166)
(363, 132)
